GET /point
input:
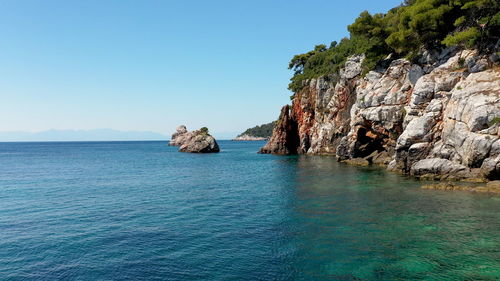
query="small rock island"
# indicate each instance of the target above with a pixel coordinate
(198, 141)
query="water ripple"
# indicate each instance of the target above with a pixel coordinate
(143, 211)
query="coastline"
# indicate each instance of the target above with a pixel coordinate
(437, 124)
(246, 137)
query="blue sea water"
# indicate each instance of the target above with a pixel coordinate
(143, 211)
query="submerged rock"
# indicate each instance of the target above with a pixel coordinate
(357, 162)
(198, 141)
(490, 187)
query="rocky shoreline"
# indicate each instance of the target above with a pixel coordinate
(248, 138)
(435, 119)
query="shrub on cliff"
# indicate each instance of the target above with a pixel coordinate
(204, 131)
(324, 60)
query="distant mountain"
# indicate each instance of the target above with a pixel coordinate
(81, 135)
(262, 131)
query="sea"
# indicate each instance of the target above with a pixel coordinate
(144, 211)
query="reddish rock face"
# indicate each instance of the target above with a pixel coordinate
(302, 113)
(285, 137)
(318, 116)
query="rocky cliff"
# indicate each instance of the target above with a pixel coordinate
(438, 118)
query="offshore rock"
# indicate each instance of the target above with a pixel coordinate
(198, 141)
(179, 137)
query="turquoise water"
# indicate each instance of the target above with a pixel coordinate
(143, 211)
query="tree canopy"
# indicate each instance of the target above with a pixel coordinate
(404, 31)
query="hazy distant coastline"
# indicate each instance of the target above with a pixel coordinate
(80, 135)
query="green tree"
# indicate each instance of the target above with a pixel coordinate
(478, 25)
(423, 23)
(298, 62)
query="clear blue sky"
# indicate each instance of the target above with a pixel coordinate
(152, 65)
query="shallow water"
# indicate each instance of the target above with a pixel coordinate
(143, 211)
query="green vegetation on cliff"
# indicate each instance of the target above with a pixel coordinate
(262, 131)
(204, 131)
(404, 31)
